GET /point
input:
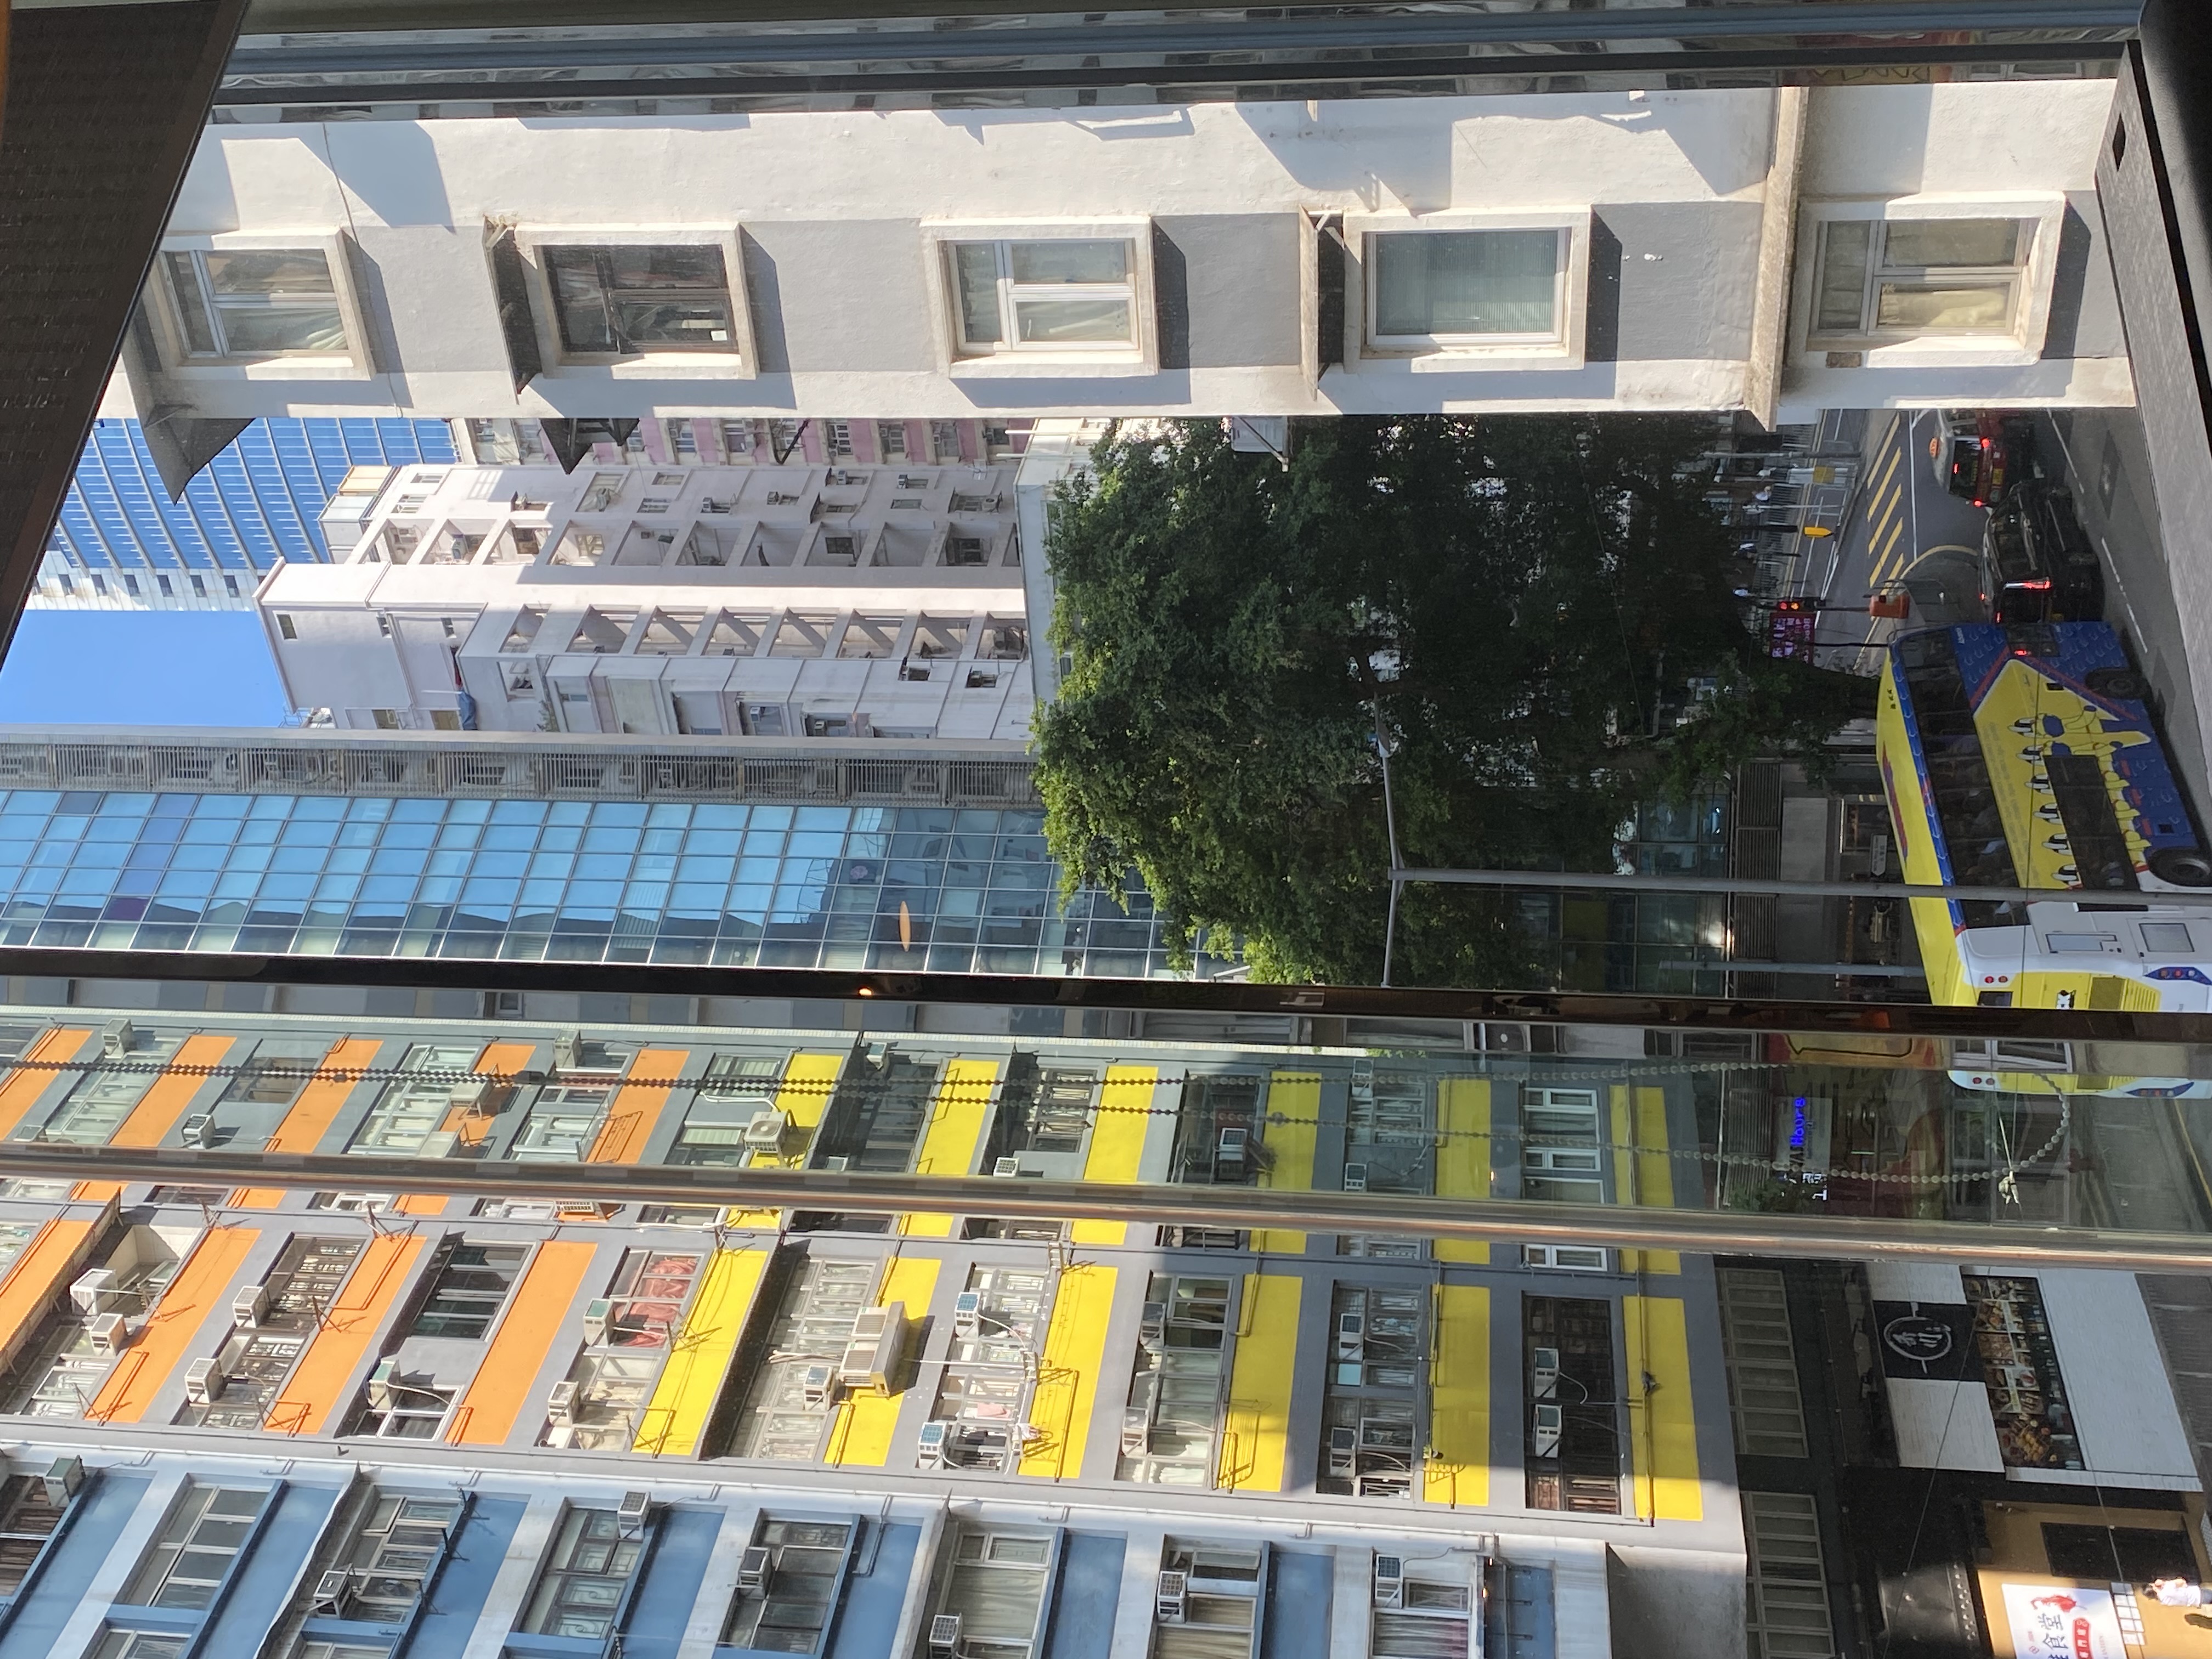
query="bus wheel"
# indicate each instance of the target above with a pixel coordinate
(2124, 684)
(2184, 866)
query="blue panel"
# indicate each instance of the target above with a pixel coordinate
(662, 1605)
(870, 1613)
(1294, 1624)
(259, 1590)
(107, 1508)
(1520, 1622)
(1090, 1590)
(457, 1600)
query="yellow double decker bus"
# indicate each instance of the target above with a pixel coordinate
(2024, 757)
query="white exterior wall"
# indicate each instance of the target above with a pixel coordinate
(399, 628)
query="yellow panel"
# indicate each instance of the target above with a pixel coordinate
(1067, 1376)
(1258, 1438)
(1295, 1095)
(1457, 1471)
(1654, 1170)
(1462, 1155)
(1662, 1429)
(26, 1083)
(699, 1359)
(803, 1097)
(958, 1118)
(1117, 1142)
(186, 1304)
(862, 1434)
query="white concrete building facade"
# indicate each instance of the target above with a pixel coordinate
(1776, 250)
(769, 601)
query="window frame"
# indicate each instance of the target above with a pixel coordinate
(2035, 273)
(574, 1537)
(1564, 347)
(177, 356)
(1140, 354)
(740, 363)
(158, 1562)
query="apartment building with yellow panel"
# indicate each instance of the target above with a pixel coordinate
(1540, 1439)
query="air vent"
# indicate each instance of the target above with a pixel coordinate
(879, 1343)
(1390, 1581)
(753, 1569)
(204, 1381)
(106, 1333)
(944, 1632)
(929, 1444)
(250, 1306)
(764, 1133)
(967, 1313)
(63, 1477)
(1173, 1598)
(633, 1508)
(598, 1316)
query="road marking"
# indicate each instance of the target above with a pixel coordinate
(1884, 562)
(1888, 472)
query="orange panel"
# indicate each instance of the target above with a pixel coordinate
(638, 1106)
(95, 1191)
(25, 1084)
(321, 1102)
(316, 1390)
(519, 1346)
(35, 1277)
(162, 1104)
(177, 1319)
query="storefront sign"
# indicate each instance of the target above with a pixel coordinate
(1925, 1340)
(2057, 1621)
(2019, 1370)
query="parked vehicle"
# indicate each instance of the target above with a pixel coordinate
(1980, 454)
(2041, 566)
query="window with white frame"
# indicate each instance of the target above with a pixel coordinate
(1445, 288)
(579, 1593)
(412, 1107)
(1762, 1363)
(400, 1543)
(791, 1609)
(245, 305)
(623, 301)
(141, 1644)
(205, 1532)
(995, 1589)
(1432, 1617)
(1046, 294)
(1786, 1615)
(602, 1399)
(1177, 1400)
(1208, 1601)
(1560, 1156)
(1898, 279)
(29, 1517)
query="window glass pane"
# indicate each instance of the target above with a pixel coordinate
(1841, 303)
(585, 324)
(1489, 282)
(282, 270)
(192, 306)
(680, 323)
(1951, 241)
(975, 270)
(1044, 322)
(1069, 262)
(1922, 306)
(285, 328)
(664, 267)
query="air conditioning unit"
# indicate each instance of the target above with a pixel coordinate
(817, 1385)
(945, 1632)
(474, 1098)
(1343, 1453)
(929, 1445)
(633, 1508)
(1173, 1598)
(108, 1333)
(561, 1402)
(444, 1143)
(1544, 1433)
(967, 1313)
(879, 1343)
(332, 1591)
(1390, 1581)
(1007, 1166)
(835, 1163)
(96, 1292)
(250, 1306)
(117, 1039)
(199, 1129)
(1232, 1145)
(383, 1385)
(764, 1133)
(598, 1316)
(1543, 1372)
(204, 1381)
(567, 1048)
(1351, 1336)
(1152, 1326)
(753, 1569)
(1136, 1430)
(63, 1477)
(1355, 1177)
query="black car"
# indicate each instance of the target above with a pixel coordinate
(2041, 567)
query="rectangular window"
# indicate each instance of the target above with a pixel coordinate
(27, 1519)
(1762, 1363)
(247, 306)
(618, 300)
(1377, 1381)
(579, 1593)
(1903, 278)
(789, 1612)
(440, 1079)
(399, 1545)
(984, 1390)
(285, 628)
(205, 1532)
(468, 1286)
(1448, 288)
(1570, 1421)
(562, 1124)
(1431, 1620)
(1560, 1158)
(306, 1279)
(1786, 1614)
(623, 1354)
(1062, 295)
(142, 1644)
(1171, 1425)
(1209, 1601)
(783, 1418)
(995, 1588)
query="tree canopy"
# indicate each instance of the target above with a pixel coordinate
(1521, 608)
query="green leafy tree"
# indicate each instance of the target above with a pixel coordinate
(1518, 607)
